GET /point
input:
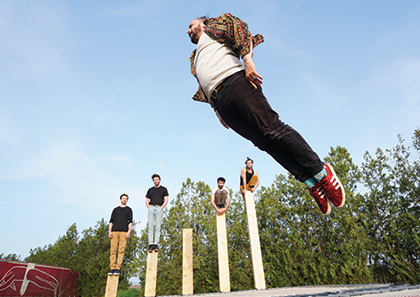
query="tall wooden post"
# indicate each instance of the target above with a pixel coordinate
(187, 262)
(111, 286)
(224, 278)
(151, 273)
(254, 239)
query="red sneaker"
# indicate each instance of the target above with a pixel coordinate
(333, 187)
(321, 199)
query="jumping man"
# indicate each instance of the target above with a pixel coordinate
(233, 88)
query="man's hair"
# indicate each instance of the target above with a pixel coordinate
(122, 195)
(221, 179)
(156, 175)
(249, 159)
(203, 18)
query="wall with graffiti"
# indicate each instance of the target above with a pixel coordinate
(29, 279)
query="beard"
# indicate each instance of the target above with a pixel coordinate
(194, 38)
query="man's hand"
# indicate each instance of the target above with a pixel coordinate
(127, 235)
(251, 73)
(221, 210)
(221, 120)
(110, 234)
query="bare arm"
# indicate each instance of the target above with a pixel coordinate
(147, 202)
(251, 73)
(130, 226)
(165, 202)
(227, 200)
(110, 230)
(243, 175)
(212, 202)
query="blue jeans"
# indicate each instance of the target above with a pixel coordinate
(155, 221)
(248, 113)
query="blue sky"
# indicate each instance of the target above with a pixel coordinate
(95, 97)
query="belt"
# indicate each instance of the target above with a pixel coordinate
(215, 93)
(228, 80)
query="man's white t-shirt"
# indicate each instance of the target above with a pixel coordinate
(222, 189)
(213, 63)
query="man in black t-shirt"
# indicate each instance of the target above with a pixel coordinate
(120, 226)
(156, 200)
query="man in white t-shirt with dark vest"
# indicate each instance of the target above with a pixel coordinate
(233, 88)
(220, 197)
(156, 200)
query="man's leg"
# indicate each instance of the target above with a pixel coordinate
(121, 248)
(151, 223)
(159, 217)
(247, 112)
(114, 245)
(252, 182)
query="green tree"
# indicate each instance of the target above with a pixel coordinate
(11, 257)
(132, 292)
(392, 178)
(239, 249)
(374, 237)
(88, 254)
(300, 245)
(59, 254)
(192, 209)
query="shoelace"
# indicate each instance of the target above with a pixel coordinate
(329, 191)
(319, 191)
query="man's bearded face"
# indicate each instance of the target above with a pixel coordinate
(195, 30)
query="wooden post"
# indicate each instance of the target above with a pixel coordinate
(151, 272)
(224, 278)
(112, 286)
(254, 239)
(187, 262)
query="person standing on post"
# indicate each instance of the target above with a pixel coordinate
(156, 200)
(120, 226)
(249, 178)
(233, 88)
(220, 197)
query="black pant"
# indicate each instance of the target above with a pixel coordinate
(247, 111)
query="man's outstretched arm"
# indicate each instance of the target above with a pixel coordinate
(251, 73)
